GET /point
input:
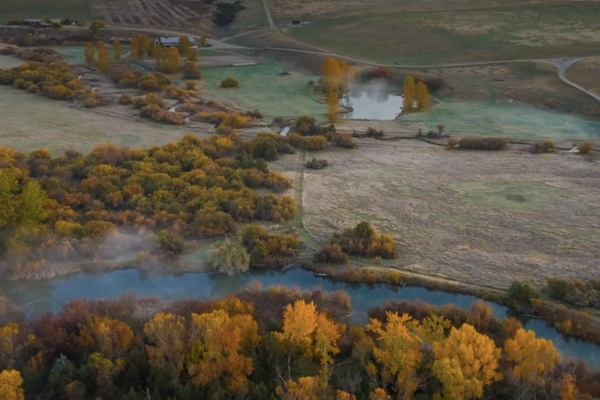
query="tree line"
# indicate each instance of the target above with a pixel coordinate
(281, 344)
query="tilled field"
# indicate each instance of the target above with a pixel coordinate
(165, 13)
(479, 217)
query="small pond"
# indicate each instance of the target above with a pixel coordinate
(371, 102)
(49, 296)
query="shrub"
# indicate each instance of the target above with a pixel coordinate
(479, 143)
(372, 132)
(521, 293)
(452, 142)
(345, 140)
(364, 241)
(331, 253)
(585, 147)
(169, 243)
(316, 164)
(228, 83)
(190, 70)
(125, 99)
(294, 140)
(230, 257)
(269, 250)
(191, 85)
(316, 142)
(543, 146)
(235, 120)
(265, 148)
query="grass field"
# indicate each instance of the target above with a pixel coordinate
(586, 73)
(74, 55)
(29, 121)
(253, 17)
(263, 87)
(389, 34)
(19, 9)
(478, 217)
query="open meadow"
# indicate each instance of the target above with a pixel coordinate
(74, 9)
(426, 33)
(485, 218)
(29, 121)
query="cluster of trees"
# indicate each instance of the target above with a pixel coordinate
(226, 12)
(167, 59)
(54, 80)
(281, 344)
(415, 92)
(39, 54)
(194, 188)
(362, 240)
(573, 292)
(126, 77)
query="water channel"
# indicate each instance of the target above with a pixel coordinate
(371, 102)
(49, 296)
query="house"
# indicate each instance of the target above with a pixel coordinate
(36, 22)
(170, 41)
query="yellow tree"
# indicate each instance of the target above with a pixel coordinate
(140, 45)
(422, 95)
(89, 53)
(11, 344)
(10, 385)
(184, 46)
(409, 93)
(379, 394)
(103, 58)
(465, 362)
(117, 50)
(31, 206)
(532, 356)
(333, 100)
(398, 352)
(104, 370)
(221, 349)
(160, 56)
(334, 72)
(310, 333)
(167, 338)
(110, 337)
(568, 390)
(173, 59)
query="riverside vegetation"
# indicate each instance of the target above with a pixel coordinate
(279, 344)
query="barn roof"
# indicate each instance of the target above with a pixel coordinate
(173, 40)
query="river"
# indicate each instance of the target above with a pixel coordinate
(49, 296)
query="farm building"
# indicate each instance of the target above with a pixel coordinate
(170, 41)
(37, 22)
(123, 39)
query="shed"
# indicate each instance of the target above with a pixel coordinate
(170, 41)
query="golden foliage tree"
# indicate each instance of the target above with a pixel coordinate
(465, 362)
(10, 385)
(104, 370)
(336, 75)
(31, 207)
(140, 45)
(11, 344)
(310, 332)
(167, 338)
(173, 59)
(409, 93)
(568, 390)
(110, 337)
(221, 349)
(310, 388)
(103, 57)
(184, 46)
(333, 100)
(89, 53)
(532, 356)
(422, 95)
(398, 352)
(231, 257)
(379, 394)
(117, 50)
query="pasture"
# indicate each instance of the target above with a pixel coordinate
(20, 9)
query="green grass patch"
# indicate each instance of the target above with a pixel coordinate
(74, 55)
(263, 87)
(505, 120)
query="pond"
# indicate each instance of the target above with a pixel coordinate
(372, 101)
(49, 296)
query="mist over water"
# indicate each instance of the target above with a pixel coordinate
(372, 100)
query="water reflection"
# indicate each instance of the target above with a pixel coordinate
(372, 101)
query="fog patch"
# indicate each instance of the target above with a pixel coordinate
(372, 100)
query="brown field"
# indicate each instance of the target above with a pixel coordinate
(157, 13)
(586, 73)
(476, 217)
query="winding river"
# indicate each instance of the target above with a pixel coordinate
(49, 296)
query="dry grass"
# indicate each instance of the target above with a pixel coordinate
(56, 126)
(475, 217)
(586, 73)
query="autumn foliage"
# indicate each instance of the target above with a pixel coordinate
(363, 241)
